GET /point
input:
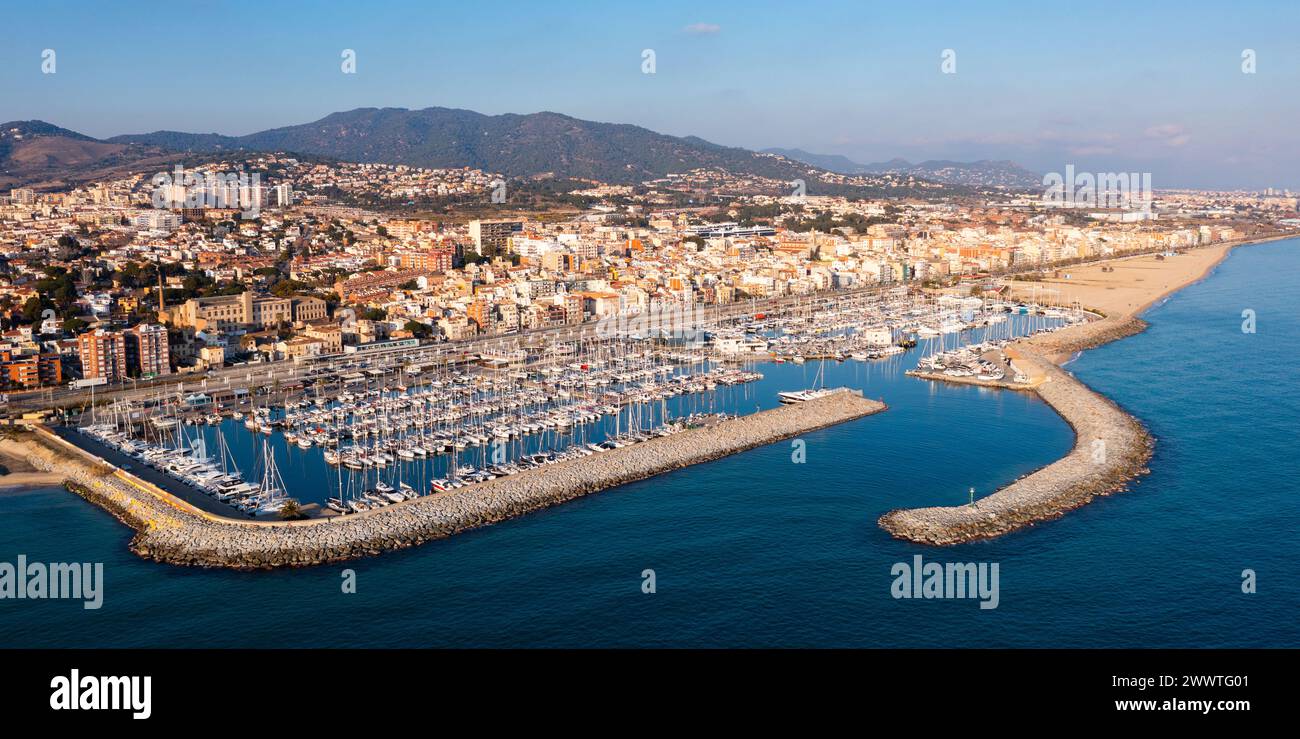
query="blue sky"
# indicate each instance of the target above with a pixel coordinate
(1153, 86)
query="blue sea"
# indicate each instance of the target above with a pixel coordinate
(760, 549)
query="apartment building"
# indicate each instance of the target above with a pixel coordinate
(27, 370)
(362, 287)
(309, 309)
(432, 260)
(147, 350)
(330, 335)
(103, 355)
(493, 237)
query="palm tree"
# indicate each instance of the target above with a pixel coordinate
(292, 510)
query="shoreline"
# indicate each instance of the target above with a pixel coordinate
(29, 481)
(1122, 321)
(1111, 447)
(19, 474)
(172, 531)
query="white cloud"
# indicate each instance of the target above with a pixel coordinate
(1169, 134)
(1089, 151)
(703, 29)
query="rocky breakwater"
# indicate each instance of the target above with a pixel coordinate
(134, 502)
(183, 535)
(1111, 448)
(1062, 344)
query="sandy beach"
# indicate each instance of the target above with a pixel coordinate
(1136, 284)
(17, 472)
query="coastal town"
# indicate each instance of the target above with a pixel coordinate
(408, 335)
(341, 335)
(101, 287)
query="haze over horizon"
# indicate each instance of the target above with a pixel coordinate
(1156, 88)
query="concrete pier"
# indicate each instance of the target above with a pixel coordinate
(1111, 448)
(171, 530)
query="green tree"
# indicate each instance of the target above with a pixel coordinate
(292, 510)
(33, 310)
(419, 330)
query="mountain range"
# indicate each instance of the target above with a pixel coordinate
(40, 154)
(515, 145)
(532, 145)
(982, 173)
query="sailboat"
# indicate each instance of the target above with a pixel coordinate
(816, 391)
(270, 496)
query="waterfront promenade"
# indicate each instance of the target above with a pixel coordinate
(171, 530)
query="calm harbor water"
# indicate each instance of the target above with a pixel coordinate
(310, 479)
(756, 550)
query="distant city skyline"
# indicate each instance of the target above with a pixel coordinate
(1157, 87)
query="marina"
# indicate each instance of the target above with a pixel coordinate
(169, 531)
(719, 530)
(388, 456)
(379, 435)
(389, 443)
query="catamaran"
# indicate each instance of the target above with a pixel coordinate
(816, 391)
(799, 396)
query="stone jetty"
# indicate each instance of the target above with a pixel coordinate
(1111, 448)
(1062, 344)
(170, 530)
